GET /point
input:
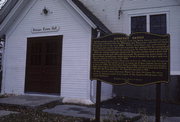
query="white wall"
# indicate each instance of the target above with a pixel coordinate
(76, 33)
(108, 10)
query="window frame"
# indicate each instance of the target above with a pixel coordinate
(148, 14)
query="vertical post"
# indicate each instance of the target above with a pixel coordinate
(2, 46)
(98, 101)
(158, 102)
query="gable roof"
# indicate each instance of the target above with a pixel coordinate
(9, 7)
(91, 16)
(12, 8)
(6, 9)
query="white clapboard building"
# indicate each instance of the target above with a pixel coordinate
(47, 49)
(47, 45)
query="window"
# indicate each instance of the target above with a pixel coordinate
(157, 24)
(138, 24)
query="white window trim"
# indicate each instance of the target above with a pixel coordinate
(148, 14)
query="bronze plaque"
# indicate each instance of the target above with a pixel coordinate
(138, 59)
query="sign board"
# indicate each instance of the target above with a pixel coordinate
(138, 59)
(45, 29)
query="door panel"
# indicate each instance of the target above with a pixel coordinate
(43, 65)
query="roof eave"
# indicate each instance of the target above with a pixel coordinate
(20, 5)
(9, 19)
(88, 16)
(82, 14)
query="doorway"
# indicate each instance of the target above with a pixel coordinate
(43, 65)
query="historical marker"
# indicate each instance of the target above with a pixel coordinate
(138, 59)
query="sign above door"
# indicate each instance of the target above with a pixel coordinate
(45, 29)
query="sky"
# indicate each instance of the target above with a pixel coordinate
(2, 3)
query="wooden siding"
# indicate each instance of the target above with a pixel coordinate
(76, 33)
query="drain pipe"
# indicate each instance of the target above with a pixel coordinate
(93, 82)
(2, 46)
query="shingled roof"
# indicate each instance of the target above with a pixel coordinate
(4, 11)
(91, 16)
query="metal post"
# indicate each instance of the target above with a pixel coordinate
(98, 101)
(158, 102)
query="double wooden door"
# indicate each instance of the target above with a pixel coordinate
(43, 65)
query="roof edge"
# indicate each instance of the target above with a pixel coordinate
(88, 16)
(79, 7)
(9, 19)
(71, 3)
(6, 8)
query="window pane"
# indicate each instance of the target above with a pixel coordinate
(51, 53)
(36, 51)
(138, 24)
(158, 24)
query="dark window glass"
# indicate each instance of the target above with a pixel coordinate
(51, 53)
(138, 24)
(158, 24)
(36, 50)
